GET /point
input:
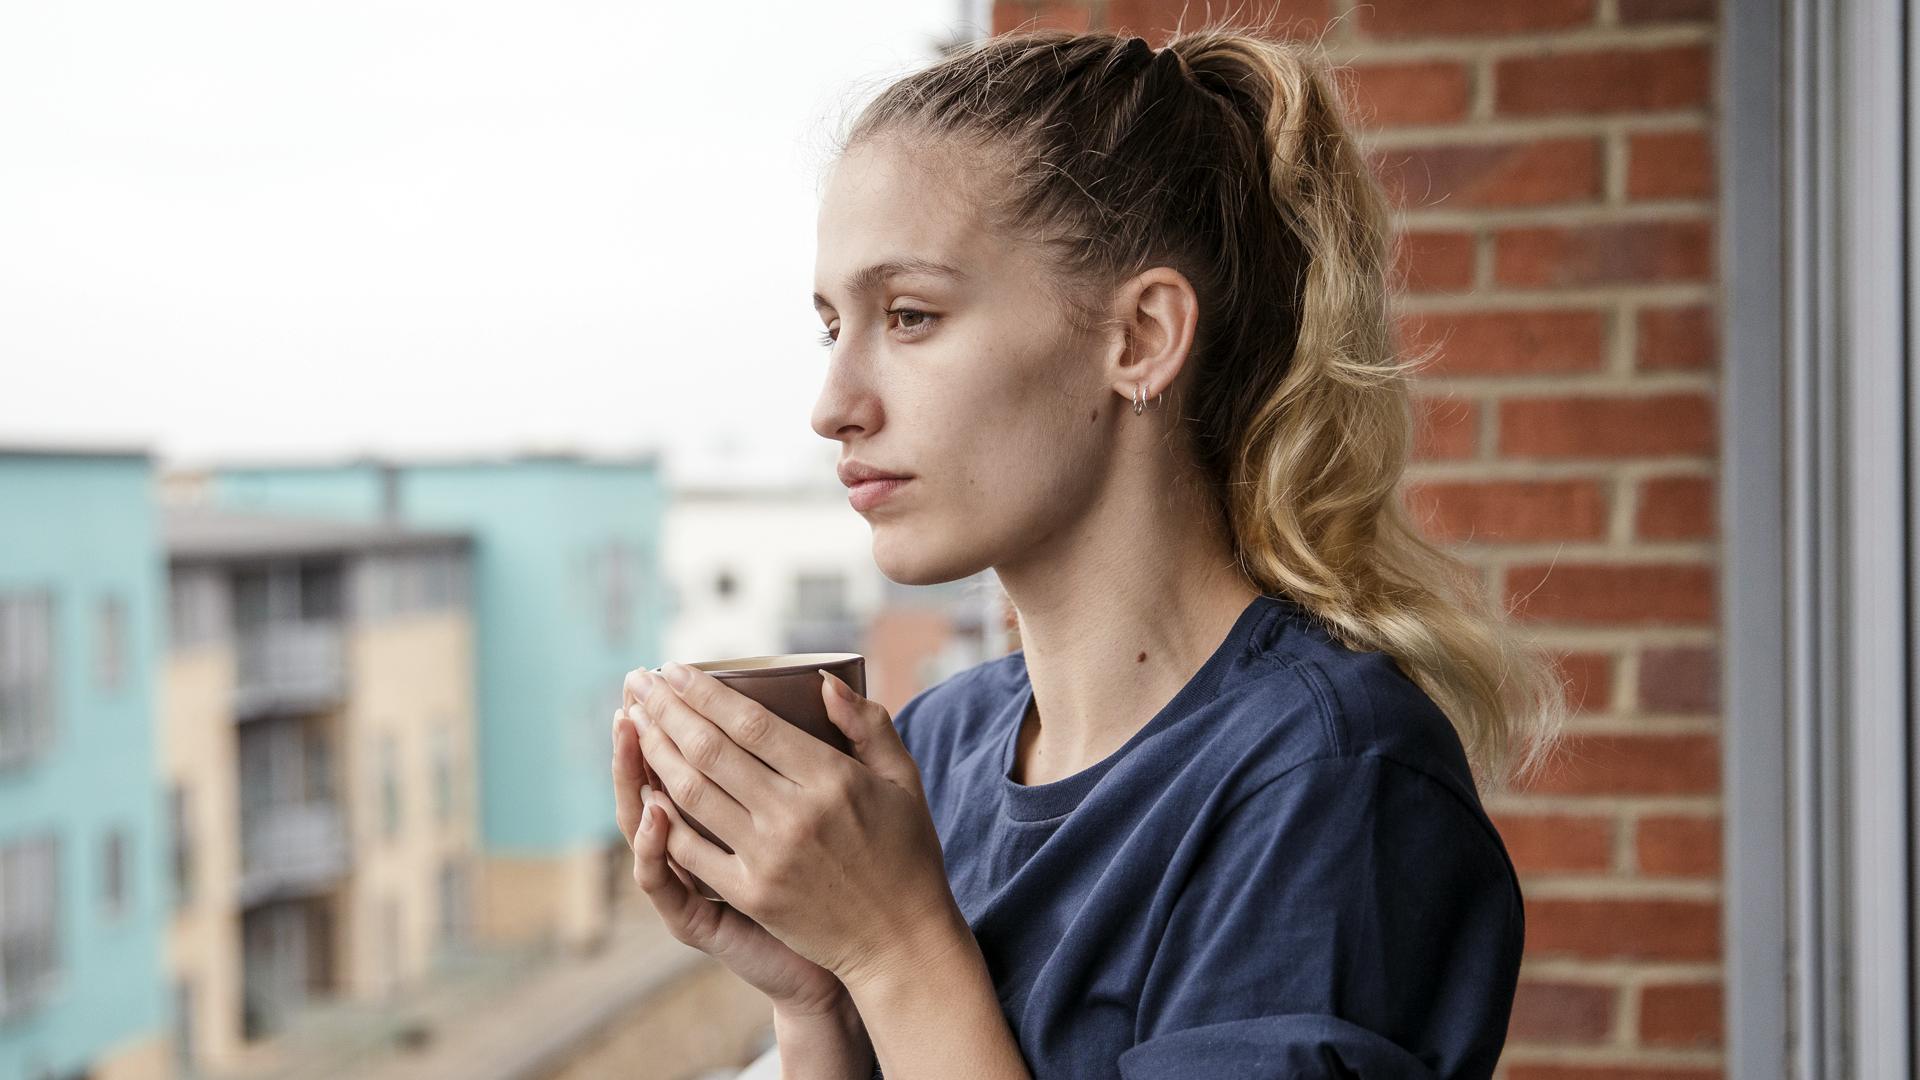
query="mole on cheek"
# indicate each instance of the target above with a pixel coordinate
(1093, 417)
(1141, 659)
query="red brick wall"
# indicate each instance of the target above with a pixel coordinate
(1553, 163)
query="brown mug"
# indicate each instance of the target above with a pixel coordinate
(788, 685)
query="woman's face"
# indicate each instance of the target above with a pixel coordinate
(970, 380)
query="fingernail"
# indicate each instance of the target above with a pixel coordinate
(677, 674)
(840, 689)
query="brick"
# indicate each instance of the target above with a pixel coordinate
(1612, 928)
(1156, 19)
(1557, 843)
(1680, 679)
(1508, 342)
(1603, 81)
(1671, 339)
(1538, 173)
(1445, 428)
(1682, 1014)
(1412, 18)
(1617, 253)
(1551, 1010)
(1591, 763)
(1677, 846)
(1669, 165)
(1405, 94)
(1608, 426)
(1675, 508)
(1546, 1071)
(1650, 11)
(1433, 261)
(1494, 511)
(1588, 678)
(1013, 15)
(1613, 594)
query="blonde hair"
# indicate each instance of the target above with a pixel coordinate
(1226, 155)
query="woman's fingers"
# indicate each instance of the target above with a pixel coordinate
(685, 785)
(629, 774)
(690, 917)
(646, 818)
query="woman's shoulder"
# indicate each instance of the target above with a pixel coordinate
(1326, 700)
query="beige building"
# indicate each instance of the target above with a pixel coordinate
(318, 746)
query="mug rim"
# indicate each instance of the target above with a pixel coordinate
(789, 664)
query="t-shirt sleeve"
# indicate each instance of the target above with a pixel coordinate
(1352, 917)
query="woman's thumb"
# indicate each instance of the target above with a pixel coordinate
(869, 728)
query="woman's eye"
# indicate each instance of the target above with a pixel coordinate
(922, 318)
(920, 321)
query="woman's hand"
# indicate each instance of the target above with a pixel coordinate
(834, 855)
(798, 987)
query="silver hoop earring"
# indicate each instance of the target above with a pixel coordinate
(1140, 398)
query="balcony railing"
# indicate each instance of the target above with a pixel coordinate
(291, 850)
(289, 666)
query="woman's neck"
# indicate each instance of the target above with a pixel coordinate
(1111, 636)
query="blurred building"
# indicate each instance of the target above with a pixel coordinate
(788, 568)
(566, 599)
(82, 891)
(319, 761)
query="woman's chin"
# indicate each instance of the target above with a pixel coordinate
(907, 557)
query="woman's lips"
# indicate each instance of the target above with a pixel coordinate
(868, 494)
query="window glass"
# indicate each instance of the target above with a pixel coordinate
(26, 675)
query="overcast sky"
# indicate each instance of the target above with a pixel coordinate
(275, 230)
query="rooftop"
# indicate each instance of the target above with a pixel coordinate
(200, 532)
(426, 460)
(72, 450)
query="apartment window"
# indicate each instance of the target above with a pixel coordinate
(616, 567)
(436, 569)
(196, 608)
(443, 772)
(255, 600)
(321, 588)
(390, 786)
(390, 578)
(26, 675)
(113, 872)
(820, 595)
(453, 902)
(399, 590)
(110, 644)
(400, 583)
(180, 822)
(29, 943)
(316, 759)
(460, 579)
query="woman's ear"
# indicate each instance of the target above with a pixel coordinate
(1158, 312)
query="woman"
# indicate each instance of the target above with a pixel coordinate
(1119, 315)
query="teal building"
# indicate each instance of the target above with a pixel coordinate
(83, 885)
(568, 596)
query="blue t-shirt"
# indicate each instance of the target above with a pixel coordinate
(1286, 873)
